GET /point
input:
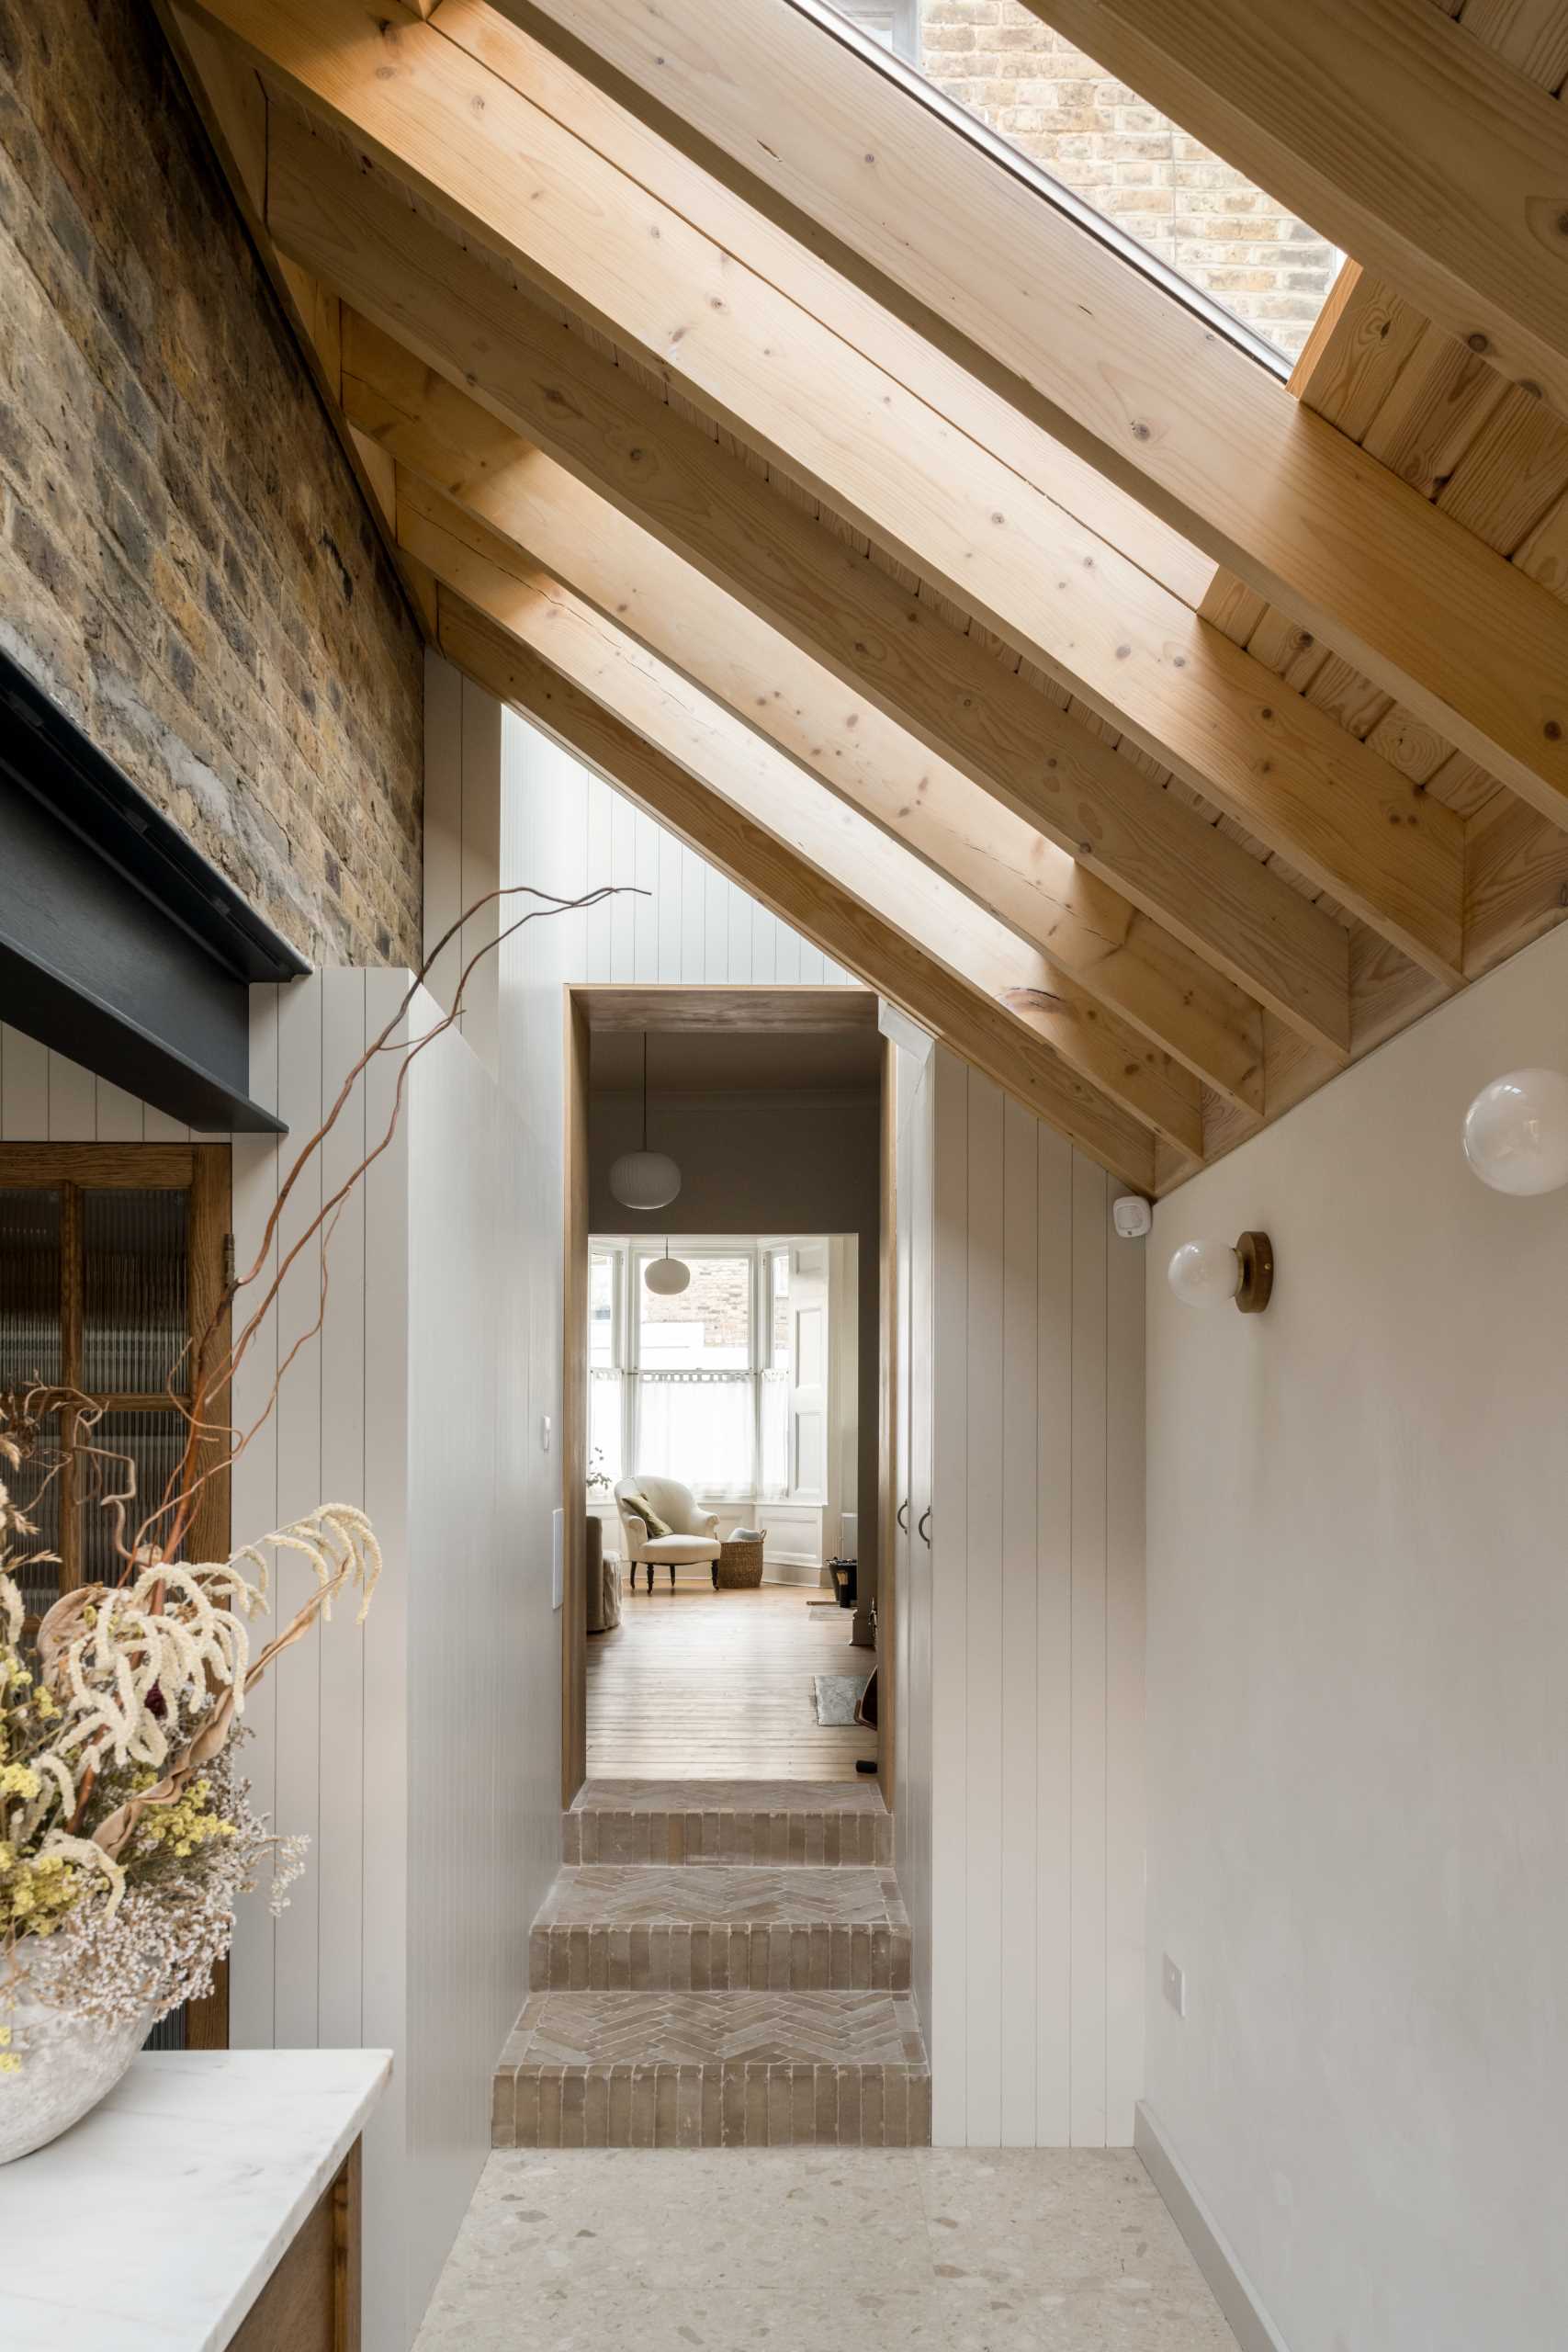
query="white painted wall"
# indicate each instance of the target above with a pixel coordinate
(421, 1756)
(1021, 1633)
(1357, 1734)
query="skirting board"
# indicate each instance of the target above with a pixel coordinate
(1227, 2281)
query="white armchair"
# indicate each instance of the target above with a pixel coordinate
(694, 1534)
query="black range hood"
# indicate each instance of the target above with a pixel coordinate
(120, 945)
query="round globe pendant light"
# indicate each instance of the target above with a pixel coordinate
(1516, 1131)
(645, 1180)
(667, 1277)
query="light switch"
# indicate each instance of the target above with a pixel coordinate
(1175, 1986)
(544, 1432)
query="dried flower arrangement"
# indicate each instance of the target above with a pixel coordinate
(126, 1827)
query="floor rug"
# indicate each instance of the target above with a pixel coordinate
(837, 1695)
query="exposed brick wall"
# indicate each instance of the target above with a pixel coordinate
(1208, 222)
(186, 560)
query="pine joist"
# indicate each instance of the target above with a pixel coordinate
(1131, 379)
(617, 709)
(1003, 551)
(504, 485)
(465, 323)
(1391, 129)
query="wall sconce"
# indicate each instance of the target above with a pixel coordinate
(1206, 1273)
(1516, 1131)
(644, 1179)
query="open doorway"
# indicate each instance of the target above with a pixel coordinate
(724, 1413)
(724, 1447)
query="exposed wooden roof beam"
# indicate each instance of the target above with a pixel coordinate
(629, 718)
(505, 485)
(985, 405)
(568, 221)
(1141, 386)
(505, 581)
(1388, 126)
(709, 507)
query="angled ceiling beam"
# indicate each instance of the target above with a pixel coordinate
(710, 508)
(928, 909)
(1138, 384)
(982, 404)
(629, 718)
(555, 211)
(502, 489)
(1389, 128)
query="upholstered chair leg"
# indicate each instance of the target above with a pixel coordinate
(671, 1576)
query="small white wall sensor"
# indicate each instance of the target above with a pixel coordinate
(1133, 1215)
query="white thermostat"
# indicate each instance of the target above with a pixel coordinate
(1133, 1215)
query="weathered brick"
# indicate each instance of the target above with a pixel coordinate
(186, 560)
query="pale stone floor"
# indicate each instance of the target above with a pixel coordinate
(821, 2250)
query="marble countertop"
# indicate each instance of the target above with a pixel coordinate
(153, 2224)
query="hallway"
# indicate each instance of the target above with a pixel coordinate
(821, 2250)
(694, 1684)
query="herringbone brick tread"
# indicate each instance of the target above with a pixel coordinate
(697, 2029)
(650, 2070)
(719, 1927)
(805, 1822)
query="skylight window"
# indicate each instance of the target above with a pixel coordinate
(1065, 118)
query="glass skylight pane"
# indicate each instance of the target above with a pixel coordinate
(1051, 104)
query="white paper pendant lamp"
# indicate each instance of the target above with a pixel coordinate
(644, 1179)
(667, 1277)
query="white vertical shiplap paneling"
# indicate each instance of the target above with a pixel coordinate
(1088, 1676)
(339, 1851)
(566, 831)
(1054, 1637)
(1018, 2006)
(253, 1508)
(409, 1926)
(46, 1099)
(949, 1563)
(985, 1374)
(1034, 1601)
(297, 1424)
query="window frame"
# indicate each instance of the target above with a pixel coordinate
(900, 66)
(626, 1252)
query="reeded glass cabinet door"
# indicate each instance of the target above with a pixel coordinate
(111, 1262)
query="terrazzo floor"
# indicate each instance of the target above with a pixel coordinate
(821, 2250)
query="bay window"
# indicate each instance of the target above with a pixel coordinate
(697, 1387)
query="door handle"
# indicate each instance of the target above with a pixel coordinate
(920, 1530)
(903, 1514)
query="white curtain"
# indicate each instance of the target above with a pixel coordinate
(699, 1429)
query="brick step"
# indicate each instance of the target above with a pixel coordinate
(719, 1927)
(764, 2069)
(816, 1825)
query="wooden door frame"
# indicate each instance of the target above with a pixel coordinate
(588, 1006)
(205, 1171)
(888, 1415)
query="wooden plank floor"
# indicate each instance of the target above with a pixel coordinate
(704, 1685)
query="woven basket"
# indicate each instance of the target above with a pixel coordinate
(740, 1564)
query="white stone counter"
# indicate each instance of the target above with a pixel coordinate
(154, 2226)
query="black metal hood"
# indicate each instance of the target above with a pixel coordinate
(120, 945)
